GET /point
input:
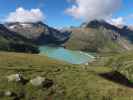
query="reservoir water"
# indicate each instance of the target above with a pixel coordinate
(60, 53)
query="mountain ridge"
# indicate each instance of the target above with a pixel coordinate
(97, 36)
(38, 32)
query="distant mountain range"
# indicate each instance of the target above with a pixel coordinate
(95, 36)
(38, 32)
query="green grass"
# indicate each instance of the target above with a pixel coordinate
(123, 63)
(71, 82)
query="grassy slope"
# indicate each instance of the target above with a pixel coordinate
(71, 82)
(122, 62)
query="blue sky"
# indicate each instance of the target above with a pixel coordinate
(126, 10)
(54, 11)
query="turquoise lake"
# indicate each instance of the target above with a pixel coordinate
(60, 53)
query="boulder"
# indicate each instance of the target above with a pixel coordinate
(41, 81)
(17, 78)
(10, 94)
(38, 81)
(14, 77)
(86, 64)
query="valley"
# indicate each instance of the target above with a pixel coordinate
(90, 62)
(66, 50)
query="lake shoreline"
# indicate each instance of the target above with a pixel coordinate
(70, 56)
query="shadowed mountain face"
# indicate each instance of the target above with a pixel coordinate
(10, 41)
(38, 32)
(100, 36)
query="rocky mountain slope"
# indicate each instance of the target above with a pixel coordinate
(38, 32)
(10, 41)
(100, 36)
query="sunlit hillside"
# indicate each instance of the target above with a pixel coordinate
(73, 82)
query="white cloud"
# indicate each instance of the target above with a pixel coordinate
(93, 9)
(24, 15)
(117, 21)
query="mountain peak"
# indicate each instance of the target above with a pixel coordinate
(97, 24)
(93, 23)
(39, 32)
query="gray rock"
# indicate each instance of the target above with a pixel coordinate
(38, 81)
(14, 77)
(86, 64)
(41, 81)
(8, 93)
(17, 78)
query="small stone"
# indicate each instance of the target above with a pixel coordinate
(8, 93)
(86, 64)
(14, 77)
(41, 81)
(38, 81)
(17, 78)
